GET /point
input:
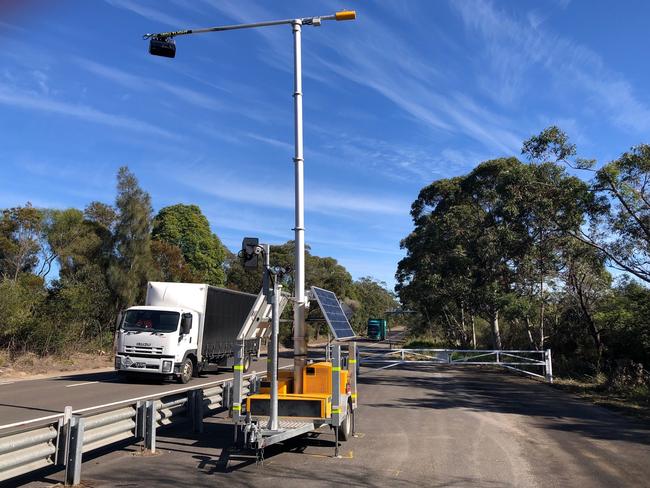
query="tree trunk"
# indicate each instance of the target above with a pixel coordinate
(529, 331)
(541, 312)
(591, 325)
(473, 331)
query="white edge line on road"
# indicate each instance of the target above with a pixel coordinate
(82, 384)
(130, 400)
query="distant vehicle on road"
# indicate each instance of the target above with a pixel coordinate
(377, 329)
(182, 330)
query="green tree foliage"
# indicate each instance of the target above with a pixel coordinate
(484, 242)
(185, 227)
(21, 298)
(170, 265)
(20, 240)
(131, 262)
(323, 272)
(370, 299)
(620, 227)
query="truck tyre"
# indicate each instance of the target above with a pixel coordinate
(186, 371)
(345, 430)
(128, 377)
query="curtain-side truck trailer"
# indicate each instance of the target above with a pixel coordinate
(182, 330)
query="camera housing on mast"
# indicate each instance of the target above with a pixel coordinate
(162, 46)
(250, 250)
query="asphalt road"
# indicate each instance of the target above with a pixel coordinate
(418, 425)
(32, 399)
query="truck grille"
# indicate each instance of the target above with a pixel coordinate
(143, 350)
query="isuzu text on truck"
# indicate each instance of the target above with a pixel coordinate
(182, 330)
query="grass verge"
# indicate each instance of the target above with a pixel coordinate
(632, 400)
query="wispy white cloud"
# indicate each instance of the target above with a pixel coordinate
(17, 98)
(153, 14)
(513, 48)
(319, 199)
(140, 83)
(11, 27)
(376, 57)
(271, 141)
(399, 162)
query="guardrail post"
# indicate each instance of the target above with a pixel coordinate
(140, 419)
(226, 395)
(498, 358)
(195, 409)
(150, 426)
(62, 437)
(74, 452)
(402, 354)
(548, 367)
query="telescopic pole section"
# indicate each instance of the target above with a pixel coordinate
(275, 301)
(299, 332)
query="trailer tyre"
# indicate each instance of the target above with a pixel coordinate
(186, 371)
(345, 430)
(247, 363)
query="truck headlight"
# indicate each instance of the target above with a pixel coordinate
(167, 367)
(118, 362)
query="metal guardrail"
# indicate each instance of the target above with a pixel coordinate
(62, 439)
(515, 360)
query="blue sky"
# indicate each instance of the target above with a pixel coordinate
(410, 92)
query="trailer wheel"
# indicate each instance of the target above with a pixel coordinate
(247, 363)
(345, 431)
(186, 371)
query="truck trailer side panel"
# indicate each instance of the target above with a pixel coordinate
(225, 313)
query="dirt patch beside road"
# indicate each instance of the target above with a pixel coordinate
(32, 366)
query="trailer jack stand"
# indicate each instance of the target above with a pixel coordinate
(336, 442)
(259, 457)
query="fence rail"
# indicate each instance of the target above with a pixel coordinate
(515, 360)
(62, 439)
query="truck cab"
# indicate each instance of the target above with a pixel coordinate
(183, 329)
(158, 340)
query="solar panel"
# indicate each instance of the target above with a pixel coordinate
(333, 313)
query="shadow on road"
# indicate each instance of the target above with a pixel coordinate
(484, 390)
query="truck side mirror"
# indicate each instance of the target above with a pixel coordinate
(118, 320)
(186, 323)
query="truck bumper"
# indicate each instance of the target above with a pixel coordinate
(145, 365)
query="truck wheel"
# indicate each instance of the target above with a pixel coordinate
(345, 430)
(186, 371)
(128, 377)
(247, 363)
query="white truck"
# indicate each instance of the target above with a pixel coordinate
(182, 330)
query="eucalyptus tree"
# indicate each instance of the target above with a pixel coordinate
(480, 240)
(130, 264)
(620, 216)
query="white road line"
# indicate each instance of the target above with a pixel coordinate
(6, 382)
(81, 384)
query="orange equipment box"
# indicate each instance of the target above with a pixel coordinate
(317, 378)
(315, 405)
(285, 385)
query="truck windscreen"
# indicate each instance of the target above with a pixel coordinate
(151, 320)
